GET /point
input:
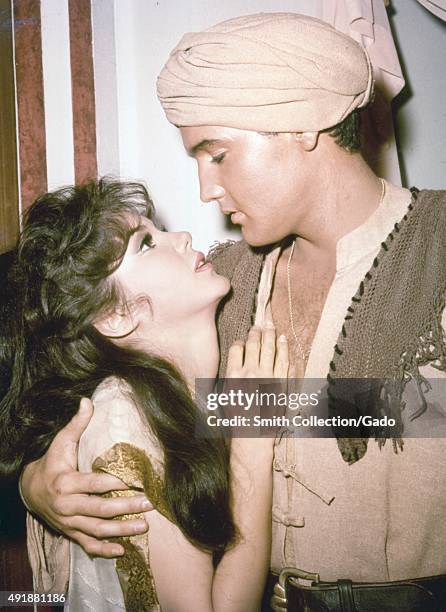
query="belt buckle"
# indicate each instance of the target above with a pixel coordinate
(279, 601)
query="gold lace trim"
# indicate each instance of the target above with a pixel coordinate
(132, 465)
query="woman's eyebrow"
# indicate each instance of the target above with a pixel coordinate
(140, 229)
(136, 231)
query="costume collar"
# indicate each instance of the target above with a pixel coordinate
(368, 237)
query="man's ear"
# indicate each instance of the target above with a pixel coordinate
(308, 140)
(117, 324)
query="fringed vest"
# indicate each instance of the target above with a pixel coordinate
(393, 326)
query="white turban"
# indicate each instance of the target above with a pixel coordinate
(272, 72)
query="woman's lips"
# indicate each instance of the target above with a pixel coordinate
(200, 263)
(205, 267)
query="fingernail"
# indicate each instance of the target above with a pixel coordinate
(282, 338)
(84, 406)
(117, 551)
(140, 527)
(146, 505)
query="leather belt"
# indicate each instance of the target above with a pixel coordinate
(426, 594)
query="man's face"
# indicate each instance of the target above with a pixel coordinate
(255, 178)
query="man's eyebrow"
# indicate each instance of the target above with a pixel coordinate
(202, 145)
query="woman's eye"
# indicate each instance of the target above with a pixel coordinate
(146, 243)
(218, 158)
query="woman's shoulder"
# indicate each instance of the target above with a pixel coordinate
(117, 420)
(112, 388)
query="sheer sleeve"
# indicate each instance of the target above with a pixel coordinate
(49, 557)
(118, 441)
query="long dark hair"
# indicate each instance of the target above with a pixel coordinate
(72, 240)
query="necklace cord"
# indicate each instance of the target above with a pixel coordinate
(304, 354)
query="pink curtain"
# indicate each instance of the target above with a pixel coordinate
(366, 21)
(437, 7)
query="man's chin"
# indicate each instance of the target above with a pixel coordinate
(257, 241)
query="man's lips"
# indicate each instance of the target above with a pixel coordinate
(237, 217)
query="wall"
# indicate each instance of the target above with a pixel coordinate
(421, 107)
(131, 41)
(57, 93)
(9, 200)
(149, 147)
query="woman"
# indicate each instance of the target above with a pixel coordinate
(110, 306)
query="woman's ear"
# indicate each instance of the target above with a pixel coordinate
(308, 140)
(117, 324)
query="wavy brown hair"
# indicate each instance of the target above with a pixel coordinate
(73, 239)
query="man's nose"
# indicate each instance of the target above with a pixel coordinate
(210, 189)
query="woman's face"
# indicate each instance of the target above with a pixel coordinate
(163, 267)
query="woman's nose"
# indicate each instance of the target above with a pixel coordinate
(183, 240)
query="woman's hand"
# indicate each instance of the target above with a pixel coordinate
(68, 501)
(240, 577)
(262, 356)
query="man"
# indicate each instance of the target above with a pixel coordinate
(268, 106)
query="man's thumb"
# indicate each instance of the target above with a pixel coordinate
(68, 437)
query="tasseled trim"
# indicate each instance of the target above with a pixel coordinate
(379, 398)
(218, 248)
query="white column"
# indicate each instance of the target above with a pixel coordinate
(106, 88)
(57, 92)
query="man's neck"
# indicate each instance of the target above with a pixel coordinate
(344, 195)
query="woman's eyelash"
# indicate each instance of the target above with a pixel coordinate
(147, 241)
(218, 158)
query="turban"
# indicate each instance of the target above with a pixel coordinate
(272, 72)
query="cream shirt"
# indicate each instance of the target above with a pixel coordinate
(384, 517)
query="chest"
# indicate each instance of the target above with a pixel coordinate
(298, 296)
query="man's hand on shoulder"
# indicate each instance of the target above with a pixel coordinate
(64, 498)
